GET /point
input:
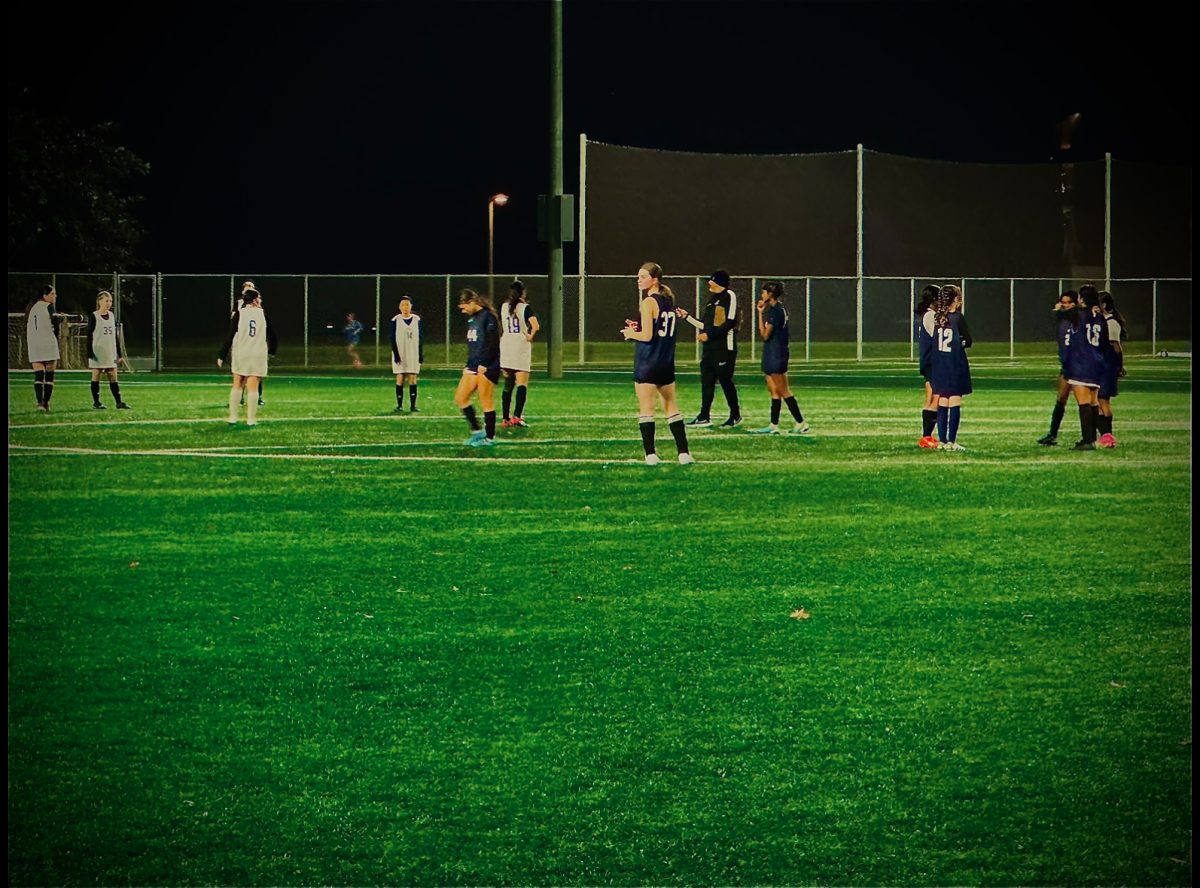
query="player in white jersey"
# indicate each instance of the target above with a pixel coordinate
(41, 339)
(408, 353)
(518, 326)
(104, 350)
(249, 285)
(251, 340)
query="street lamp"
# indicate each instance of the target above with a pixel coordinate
(497, 200)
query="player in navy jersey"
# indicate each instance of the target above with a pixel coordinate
(1084, 366)
(950, 374)
(1114, 368)
(482, 371)
(654, 361)
(925, 365)
(1066, 302)
(773, 330)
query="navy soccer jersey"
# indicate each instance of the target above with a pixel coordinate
(483, 341)
(1062, 334)
(654, 361)
(776, 349)
(950, 373)
(924, 347)
(1086, 342)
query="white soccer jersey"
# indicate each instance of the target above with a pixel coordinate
(408, 344)
(250, 342)
(516, 352)
(39, 334)
(104, 342)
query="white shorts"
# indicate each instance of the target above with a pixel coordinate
(43, 350)
(250, 367)
(1091, 385)
(101, 365)
(515, 355)
(403, 369)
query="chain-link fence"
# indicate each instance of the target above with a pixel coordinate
(177, 322)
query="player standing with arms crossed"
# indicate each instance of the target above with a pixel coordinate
(104, 350)
(408, 353)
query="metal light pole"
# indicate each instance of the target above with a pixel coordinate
(496, 200)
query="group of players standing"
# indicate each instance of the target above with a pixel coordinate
(1089, 330)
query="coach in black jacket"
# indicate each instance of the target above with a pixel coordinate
(718, 355)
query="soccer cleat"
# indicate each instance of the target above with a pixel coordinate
(928, 443)
(98, 406)
(414, 410)
(1048, 441)
(952, 446)
(1084, 445)
(251, 424)
(802, 428)
(731, 423)
(686, 459)
(769, 430)
(262, 403)
(45, 408)
(507, 424)
(121, 405)
(475, 436)
(398, 409)
(652, 459)
(700, 422)
(482, 441)
(518, 423)
(1107, 440)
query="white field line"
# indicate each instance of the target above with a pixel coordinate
(889, 461)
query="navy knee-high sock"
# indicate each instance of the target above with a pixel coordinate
(522, 392)
(506, 397)
(776, 406)
(646, 427)
(794, 408)
(489, 423)
(675, 424)
(1056, 419)
(115, 388)
(472, 419)
(399, 396)
(943, 420)
(48, 387)
(412, 396)
(955, 414)
(95, 391)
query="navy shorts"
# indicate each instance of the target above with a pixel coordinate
(492, 373)
(658, 376)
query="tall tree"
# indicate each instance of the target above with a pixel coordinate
(73, 192)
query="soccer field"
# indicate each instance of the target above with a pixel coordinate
(342, 648)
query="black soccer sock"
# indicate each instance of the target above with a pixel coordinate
(928, 422)
(776, 406)
(1087, 424)
(954, 415)
(489, 422)
(646, 426)
(113, 387)
(506, 397)
(95, 391)
(472, 419)
(675, 424)
(943, 422)
(400, 396)
(794, 408)
(48, 387)
(522, 391)
(1104, 424)
(261, 382)
(39, 384)
(412, 396)
(731, 397)
(1056, 419)
(1095, 419)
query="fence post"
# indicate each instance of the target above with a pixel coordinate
(859, 265)
(582, 244)
(447, 320)
(232, 304)
(912, 311)
(807, 318)
(158, 321)
(1154, 318)
(306, 320)
(753, 317)
(378, 320)
(1107, 220)
(1012, 318)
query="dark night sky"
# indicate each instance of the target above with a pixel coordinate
(367, 137)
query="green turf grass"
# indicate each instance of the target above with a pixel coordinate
(342, 648)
